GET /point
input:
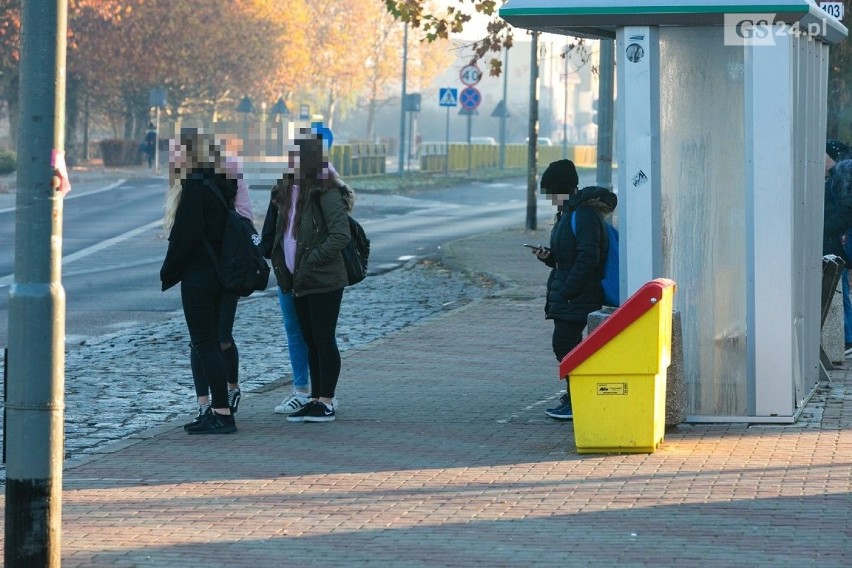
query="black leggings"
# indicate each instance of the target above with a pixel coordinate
(201, 297)
(317, 315)
(227, 313)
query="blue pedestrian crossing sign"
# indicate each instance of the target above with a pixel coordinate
(448, 97)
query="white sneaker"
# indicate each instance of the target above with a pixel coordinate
(292, 403)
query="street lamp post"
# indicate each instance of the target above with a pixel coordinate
(532, 149)
(245, 107)
(401, 152)
(34, 404)
(281, 113)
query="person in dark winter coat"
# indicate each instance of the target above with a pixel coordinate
(149, 144)
(228, 306)
(195, 215)
(296, 346)
(309, 214)
(837, 220)
(576, 257)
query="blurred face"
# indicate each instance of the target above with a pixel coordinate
(558, 198)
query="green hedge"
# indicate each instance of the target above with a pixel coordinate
(8, 162)
(117, 152)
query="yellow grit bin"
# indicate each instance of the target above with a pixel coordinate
(617, 375)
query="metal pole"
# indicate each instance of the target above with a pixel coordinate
(605, 112)
(469, 129)
(447, 146)
(565, 109)
(410, 133)
(505, 109)
(400, 167)
(34, 408)
(532, 150)
(157, 144)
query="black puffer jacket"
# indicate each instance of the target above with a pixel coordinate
(574, 287)
(200, 216)
(838, 209)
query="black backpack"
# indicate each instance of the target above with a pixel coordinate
(356, 253)
(240, 263)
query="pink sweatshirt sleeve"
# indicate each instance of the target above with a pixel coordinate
(242, 203)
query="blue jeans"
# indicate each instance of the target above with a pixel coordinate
(847, 307)
(295, 342)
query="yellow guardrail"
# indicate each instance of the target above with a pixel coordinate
(352, 160)
(462, 157)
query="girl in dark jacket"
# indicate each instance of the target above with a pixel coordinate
(195, 215)
(311, 228)
(576, 257)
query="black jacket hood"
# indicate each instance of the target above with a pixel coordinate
(601, 198)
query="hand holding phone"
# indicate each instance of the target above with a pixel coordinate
(537, 247)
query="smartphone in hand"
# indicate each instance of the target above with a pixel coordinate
(536, 247)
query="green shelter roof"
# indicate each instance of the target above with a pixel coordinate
(600, 18)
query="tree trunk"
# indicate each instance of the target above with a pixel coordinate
(332, 104)
(129, 121)
(86, 128)
(72, 114)
(371, 119)
(10, 95)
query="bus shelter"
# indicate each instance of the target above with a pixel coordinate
(721, 123)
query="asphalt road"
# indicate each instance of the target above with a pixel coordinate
(113, 244)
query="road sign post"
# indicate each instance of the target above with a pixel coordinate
(157, 99)
(469, 99)
(505, 114)
(447, 97)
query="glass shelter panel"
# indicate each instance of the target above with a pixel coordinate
(702, 146)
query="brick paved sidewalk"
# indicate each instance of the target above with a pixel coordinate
(442, 456)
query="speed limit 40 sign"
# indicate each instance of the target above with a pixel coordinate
(470, 75)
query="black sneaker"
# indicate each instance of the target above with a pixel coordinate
(563, 411)
(212, 423)
(202, 410)
(234, 396)
(299, 415)
(319, 412)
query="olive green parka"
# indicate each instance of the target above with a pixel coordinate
(323, 233)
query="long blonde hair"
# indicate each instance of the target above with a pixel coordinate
(195, 150)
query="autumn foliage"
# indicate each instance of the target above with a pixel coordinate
(208, 54)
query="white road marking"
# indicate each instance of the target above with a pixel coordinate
(73, 195)
(8, 280)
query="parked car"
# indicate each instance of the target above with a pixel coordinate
(489, 140)
(542, 141)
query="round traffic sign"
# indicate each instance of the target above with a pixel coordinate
(470, 75)
(470, 98)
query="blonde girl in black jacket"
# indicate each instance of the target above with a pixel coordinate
(195, 215)
(311, 229)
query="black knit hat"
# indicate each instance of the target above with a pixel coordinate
(560, 177)
(836, 150)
